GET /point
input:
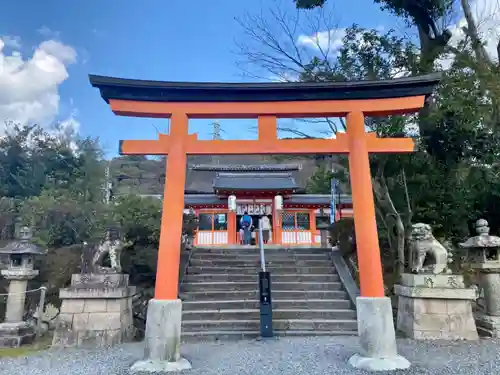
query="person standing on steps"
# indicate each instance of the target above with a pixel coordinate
(265, 224)
(246, 224)
(242, 235)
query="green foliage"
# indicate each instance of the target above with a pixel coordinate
(417, 10)
(319, 182)
(342, 234)
(309, 4)
(55, 185)
(139, 219)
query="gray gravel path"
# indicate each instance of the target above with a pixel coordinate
(287, 356)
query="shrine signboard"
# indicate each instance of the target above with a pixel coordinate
(254, 209)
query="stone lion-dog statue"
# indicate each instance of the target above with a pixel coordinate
(428, 254)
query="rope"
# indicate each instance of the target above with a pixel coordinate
(28, 291)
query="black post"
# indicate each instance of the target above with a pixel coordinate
(266, 307)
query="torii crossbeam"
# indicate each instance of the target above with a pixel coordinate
(266, 102)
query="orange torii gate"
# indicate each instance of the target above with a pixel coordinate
(266, 102)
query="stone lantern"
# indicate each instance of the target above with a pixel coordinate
(483, 253)
(21, 252)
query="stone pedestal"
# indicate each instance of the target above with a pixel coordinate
(13, 335)
(435, 307)
(96, 311)
(163, 338)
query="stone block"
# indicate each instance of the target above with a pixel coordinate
(433, 281)
(435, 293)
(95, 305)
(116, 305)
(100, 281)
(112, 337)
(426, 335)
(71, 306)
(80, 321)
(65, 320)
(431, 322)
(13, 335)
(90, 339)
(104, 321)
(429, 306)
(64, 337)
(84, 293)
(457, 307)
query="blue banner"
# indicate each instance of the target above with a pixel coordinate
(333, 197)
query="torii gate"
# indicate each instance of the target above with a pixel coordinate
(266, 102)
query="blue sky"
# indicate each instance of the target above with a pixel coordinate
(173, 40)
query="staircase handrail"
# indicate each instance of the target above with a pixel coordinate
(345, 274)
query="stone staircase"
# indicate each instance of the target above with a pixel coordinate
(220, 294)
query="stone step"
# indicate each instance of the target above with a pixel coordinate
(253, 286)
(218, 295)
(278, 314)
(256, 255)
(219, 277)
(195, 270)
(253, 334)
(287, 262)
(313, 326)
(277, 304)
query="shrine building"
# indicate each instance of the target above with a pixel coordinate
(255, 188)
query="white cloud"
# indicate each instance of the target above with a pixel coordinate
(29, 87)
(48, 33)
(486, 13)
(66, 130)
(327, 41)
(12, 41)
(284, 77)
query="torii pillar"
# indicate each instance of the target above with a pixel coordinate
(267, 102)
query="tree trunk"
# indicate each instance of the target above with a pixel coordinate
(397, 229)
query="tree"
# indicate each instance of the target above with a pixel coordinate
(435, 185)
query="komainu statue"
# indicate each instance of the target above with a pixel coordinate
(428, 255)
(93, 255)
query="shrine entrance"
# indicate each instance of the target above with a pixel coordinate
(267, 102)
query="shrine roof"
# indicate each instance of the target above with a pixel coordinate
(294, 199)
(319, 199)
(167, 91)
(255, 181)
(245, 168)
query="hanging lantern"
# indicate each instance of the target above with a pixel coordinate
(278, 203)
(231, 203)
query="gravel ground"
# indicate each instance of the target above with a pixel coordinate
(287, 356)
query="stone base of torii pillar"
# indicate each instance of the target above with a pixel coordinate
(163, 339)
(377, 336)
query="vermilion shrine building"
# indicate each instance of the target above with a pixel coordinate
(255, 187)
